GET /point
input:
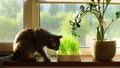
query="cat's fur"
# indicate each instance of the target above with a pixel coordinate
(28, 41)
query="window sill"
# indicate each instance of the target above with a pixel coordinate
(85, 61)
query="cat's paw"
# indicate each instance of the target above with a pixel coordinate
(47, 60)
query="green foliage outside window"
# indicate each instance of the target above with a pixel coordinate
(11, 19)
(59, 22)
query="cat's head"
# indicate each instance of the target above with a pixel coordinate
(54, 42)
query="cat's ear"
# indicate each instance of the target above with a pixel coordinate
(59, 36)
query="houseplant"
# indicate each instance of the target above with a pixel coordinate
(68, 50)
(102, 48)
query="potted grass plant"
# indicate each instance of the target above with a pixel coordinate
(68, 50)
(102, 49)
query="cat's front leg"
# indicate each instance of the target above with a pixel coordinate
(43, 54)
(47, 60)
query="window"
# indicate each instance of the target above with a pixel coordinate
(11, 19)
(55, 16)
(30, 12)
(14, 16)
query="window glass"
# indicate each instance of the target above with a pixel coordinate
(11, 19)
(55, 18)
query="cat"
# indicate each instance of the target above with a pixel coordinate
(28, 41)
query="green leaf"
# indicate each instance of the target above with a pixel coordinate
(82, 8)
(117, 14)
(68, 44)
(108, 1)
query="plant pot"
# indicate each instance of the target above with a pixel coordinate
(68, 58)
(103, 50)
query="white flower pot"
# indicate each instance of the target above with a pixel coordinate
(68, 58)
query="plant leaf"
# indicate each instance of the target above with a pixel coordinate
(108, 1)
(82, 8)
(118, 14)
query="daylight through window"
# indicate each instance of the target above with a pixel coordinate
(11, 19)
(55, 18)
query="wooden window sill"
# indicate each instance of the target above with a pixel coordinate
(85, 61)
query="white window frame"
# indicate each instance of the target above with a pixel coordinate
(31, 20)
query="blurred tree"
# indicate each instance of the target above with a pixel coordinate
(7, 28)
(9, 8)
(64, 24)
(54, 8)
(11, 18)
(71, 7)
(49, 22)
(58, 22)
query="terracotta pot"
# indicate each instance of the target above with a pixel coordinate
(68, 58)
(103, 50)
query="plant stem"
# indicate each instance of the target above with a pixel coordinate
(110, 25)
(90, 12)
(103, 8)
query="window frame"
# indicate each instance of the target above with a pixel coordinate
(72, 1)
(31, 20)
